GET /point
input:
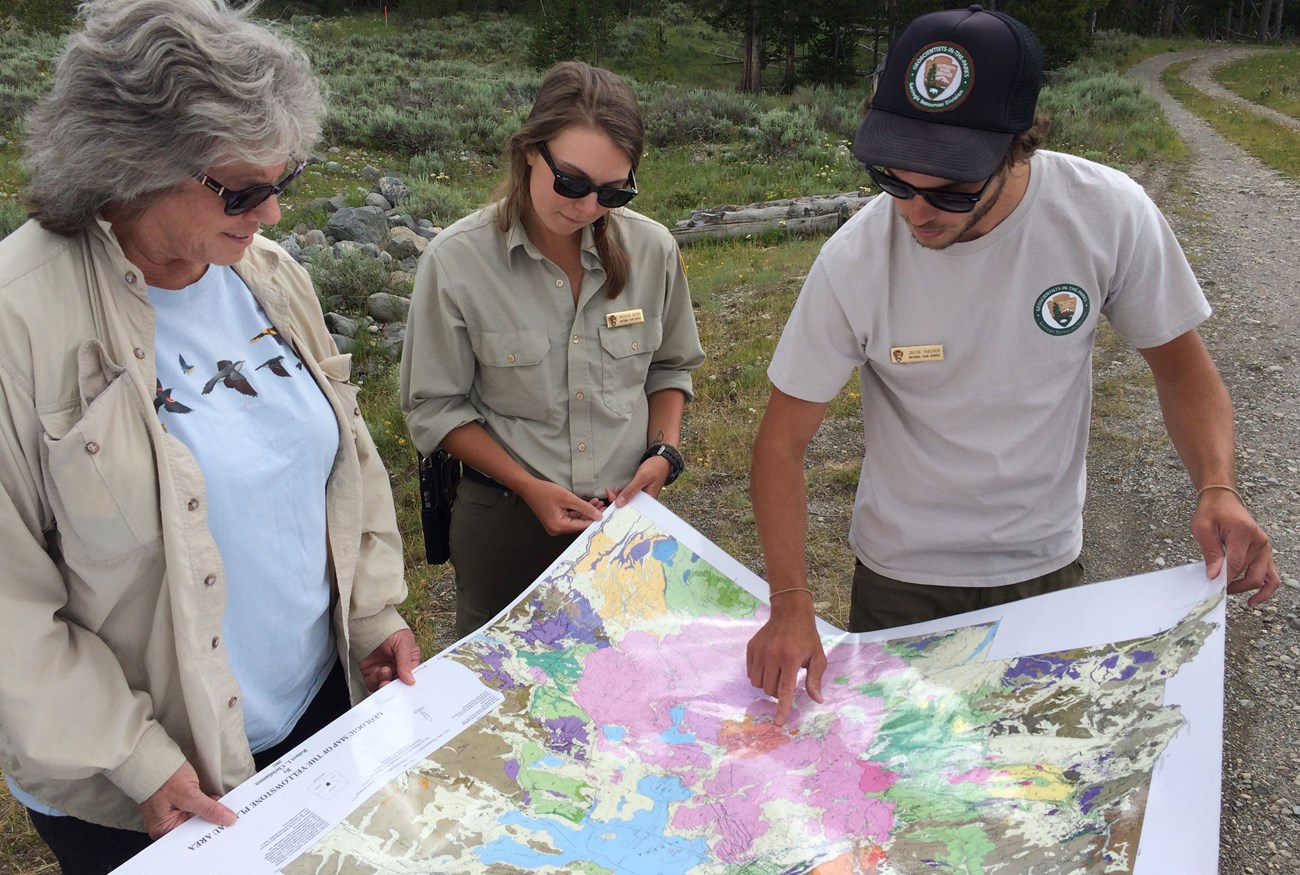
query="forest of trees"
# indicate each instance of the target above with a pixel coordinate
(808, 41)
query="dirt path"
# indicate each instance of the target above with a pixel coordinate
(1237, 220)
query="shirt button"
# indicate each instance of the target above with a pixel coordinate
(131, 277)
(582, 448)
(575, 338)
(234, 700)
(510, 358)
(210, 580)
(216, 642)
(92, 447)
(635, 346)
(356, 411)
(559, 284)
(139, 353)
(193, 504)
(579, 396)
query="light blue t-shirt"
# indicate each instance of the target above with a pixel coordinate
(265, 439)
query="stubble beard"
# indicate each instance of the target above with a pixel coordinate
(973, 218)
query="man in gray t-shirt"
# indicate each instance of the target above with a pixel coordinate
(969, 301)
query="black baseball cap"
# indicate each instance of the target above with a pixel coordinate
(957, 86)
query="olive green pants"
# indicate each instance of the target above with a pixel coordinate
(881, 602)
(498, 549)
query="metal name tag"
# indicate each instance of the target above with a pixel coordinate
(624, 317)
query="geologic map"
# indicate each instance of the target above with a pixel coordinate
(630, 741)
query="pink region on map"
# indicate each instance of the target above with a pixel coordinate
(976, 776)
(875, 778)
(648, 688)
(638, 684)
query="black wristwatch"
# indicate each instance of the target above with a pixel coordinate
(676, 464)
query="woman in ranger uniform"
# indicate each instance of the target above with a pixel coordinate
(550, 343)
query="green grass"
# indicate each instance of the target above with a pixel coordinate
(1271, 79)
(1275, 144)
(1101, 114)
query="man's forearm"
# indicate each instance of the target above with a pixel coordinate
(779, 494)
(1197, 410)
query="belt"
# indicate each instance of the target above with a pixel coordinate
(479, 477)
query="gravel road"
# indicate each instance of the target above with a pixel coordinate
(1237, 220)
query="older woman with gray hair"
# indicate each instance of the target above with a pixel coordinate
(202, 563)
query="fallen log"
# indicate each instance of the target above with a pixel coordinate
(802, 215)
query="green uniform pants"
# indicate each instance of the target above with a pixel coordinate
(498, 549)
(881, 602)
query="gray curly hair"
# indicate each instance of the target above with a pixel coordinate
(148, 92)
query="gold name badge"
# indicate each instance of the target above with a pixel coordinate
(624, 317)
(906, 355)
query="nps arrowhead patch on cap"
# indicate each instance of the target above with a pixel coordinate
(939, 77)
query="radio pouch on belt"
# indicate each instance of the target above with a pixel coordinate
(439, 475)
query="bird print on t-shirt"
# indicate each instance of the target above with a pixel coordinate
(275, 364)
(266, 332)
(163, 400)
(186, 367)
(228, 375)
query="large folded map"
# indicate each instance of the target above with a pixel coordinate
(606, 725)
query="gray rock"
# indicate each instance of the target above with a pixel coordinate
(404, 243)
(424, 223)
(409, 264)
(362, 224)
(394, 190)
(314, 237)
(375, 199)
(428, 233)
(345, 344)
(311, 251)
(340, 324)
(401, 279)
(3, 141)
(333, 166)
(371, 173)
(371, 250)
(290, 245)
(397, 220)
(386, 307)
(1295, 623)
(390, 340)
(328, 205)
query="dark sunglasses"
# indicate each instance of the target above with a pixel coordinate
(940, 199)
(245, 199)
(570, 186)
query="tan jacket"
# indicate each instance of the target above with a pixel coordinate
(112, 666)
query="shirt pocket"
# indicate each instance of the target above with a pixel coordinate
(100, 472)
(338, 373)
(513, 373)
(625, 362)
